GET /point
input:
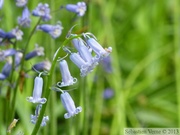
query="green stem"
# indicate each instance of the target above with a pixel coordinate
(48, 86)
(177, 50)
(21, 70)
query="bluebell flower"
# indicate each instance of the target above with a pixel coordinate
(43, 11)
(45, 65)
(21, 3)
(108, 93)
(38, 51)
(17, 33)
(6, 35)
(18, 58)
(54, 30)
(79, 62)
(69, 105)
(24, 20)
(98, 49)
(67, 79)
(35, 117)
(7, 68)
(107, 65)
(6, 71)
(37, 92)
(79, 8)
(6, 53)
(85, 52)
(1, 3)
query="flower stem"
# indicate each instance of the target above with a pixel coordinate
(48, 86)
(21, 70)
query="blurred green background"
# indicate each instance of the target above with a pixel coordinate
(145, 62)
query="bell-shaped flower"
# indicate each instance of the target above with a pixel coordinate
(67, 79)
(54, 30)
(69, 105)
(38, 51)
(43, 11)
(6, 71)
(34, 118)
(21, 3)
(79, 8)
(18, 58)
(84, 52)
(97, 48)
(37, 92)
(24, 20)
(79, 62)
(1, 3)
(44, 65)
(17, 33)
(6, 53)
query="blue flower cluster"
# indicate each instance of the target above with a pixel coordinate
(87, 56)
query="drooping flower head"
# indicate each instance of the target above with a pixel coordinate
(17, 33)
(43, 11)
(6, 53)
(67, 79)
(45, 65)
(96, 47)
(54, 30)
(24, 20)
(6, 71)
(37, 91)
(38, 51)
(79, 8)
(69, 105)
(21, 3)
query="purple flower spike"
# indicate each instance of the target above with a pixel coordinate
(79, 8)
(21, 3)
(98, 49)
(69, 105)
(108, 93)
(54, 30)
(43, 11)
(2, 77)
(45, 65)
(38, 51)
(67, 79)
(1, 3)
(25, 20)
(37, 91)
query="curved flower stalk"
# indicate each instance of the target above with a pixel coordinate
(67, 79)
(21, 3)
(37, 91)
(53, 30)
(69, 105)
(24, 20)
(79, 8)
(43, 11)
